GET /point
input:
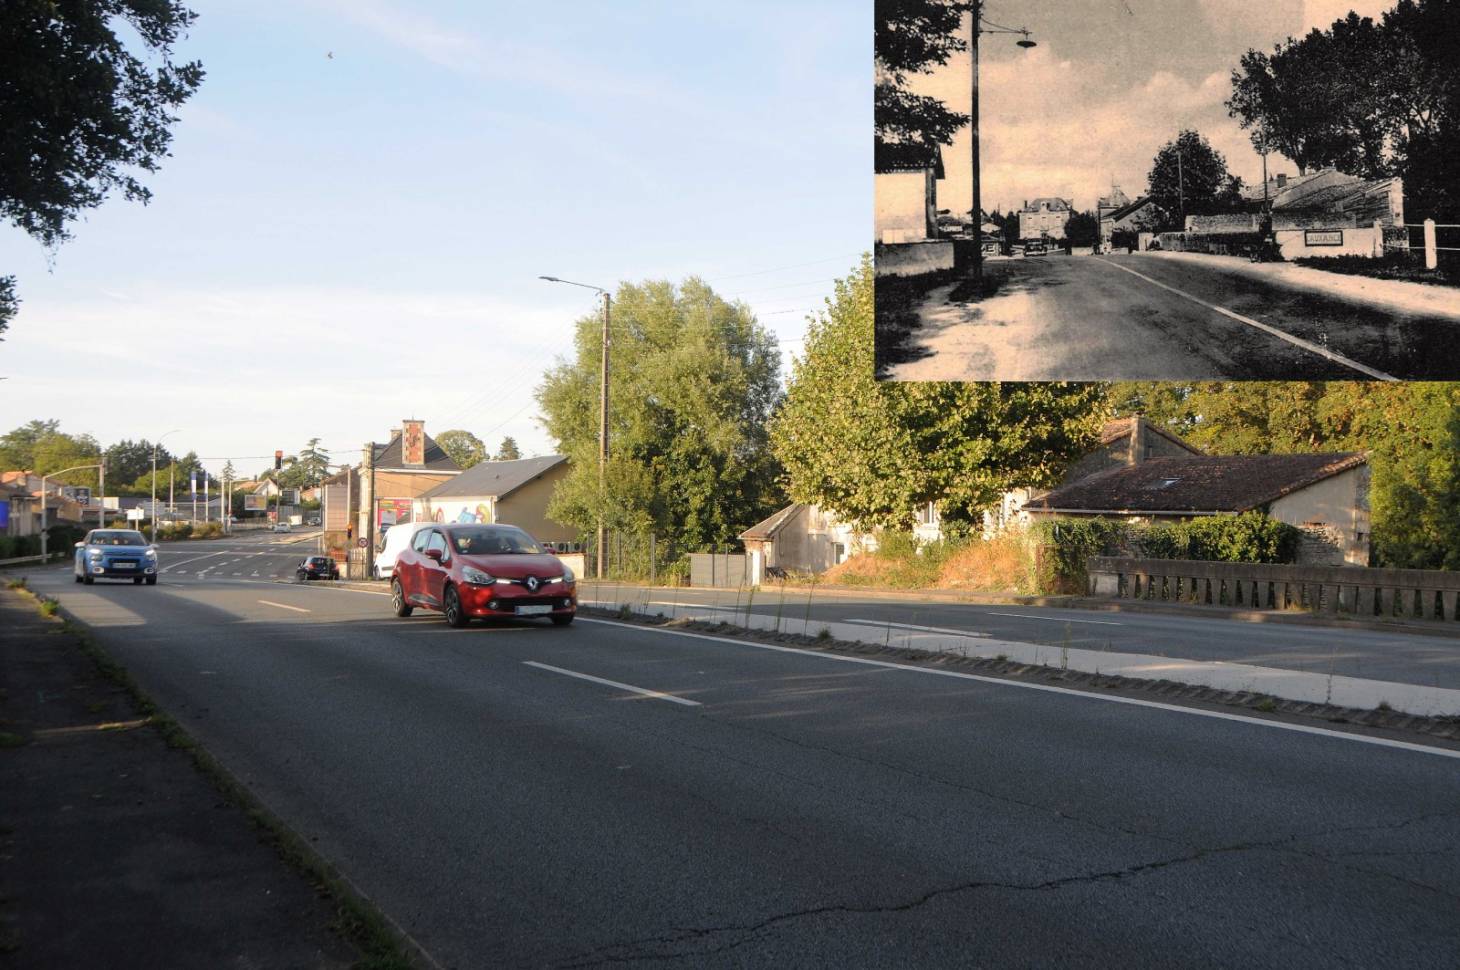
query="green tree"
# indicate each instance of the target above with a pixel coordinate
(9, 303)
(463, 447)
(83, 114)
(127, 461)
(913, 36)
(17, 448)
(874, 452)
(693, 381)
(1190, 177)
(313, 464)
(230, 474)
(58, 450)
(508, 450)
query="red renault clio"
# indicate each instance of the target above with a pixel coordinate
(482, 570)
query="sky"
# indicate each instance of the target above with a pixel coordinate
(1109, 83)
(363, 193)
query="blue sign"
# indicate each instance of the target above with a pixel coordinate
(193, 483)
(4, 516)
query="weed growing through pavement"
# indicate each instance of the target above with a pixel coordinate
(1384, 706)
(16, 583)
(49, 607)
(824, 633)
(1267, 705)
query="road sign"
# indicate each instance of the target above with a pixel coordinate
(136, 515)
(362, 542)
(255, 503)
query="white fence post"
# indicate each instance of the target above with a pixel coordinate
(1431, 256)
(1378, 239)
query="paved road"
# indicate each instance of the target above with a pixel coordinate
(1150, 317)
(1430, 661)
(774, 808)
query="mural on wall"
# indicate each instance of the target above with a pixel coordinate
(466, 514)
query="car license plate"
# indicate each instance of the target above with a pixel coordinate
(533, 610)
(124, 565)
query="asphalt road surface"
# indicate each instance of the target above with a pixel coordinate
(1147, 317)
(1409, 658)
(522, 795)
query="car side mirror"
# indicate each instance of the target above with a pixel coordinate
(80, 545)
(433, 554)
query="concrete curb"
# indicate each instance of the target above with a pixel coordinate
(1297, 686)
(1092, 605)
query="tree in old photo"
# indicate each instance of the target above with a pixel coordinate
(914, 37)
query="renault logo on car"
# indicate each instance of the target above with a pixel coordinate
(532, 583)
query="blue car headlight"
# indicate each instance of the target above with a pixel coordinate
(94, 553)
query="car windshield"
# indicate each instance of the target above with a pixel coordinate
(118, 539)
(492, 541)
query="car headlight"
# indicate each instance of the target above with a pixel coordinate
(151, 553)
(473, 575)
(94, 553)
(568, 576)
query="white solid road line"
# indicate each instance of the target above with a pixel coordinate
(1055, 619)
(914, 626)
(1280, 334)
(285, 606)
(658, 695)
(1051, 689)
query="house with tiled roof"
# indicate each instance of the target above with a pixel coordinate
(512, 492)
(1325, 495)
(1142, 215)
(392, 476)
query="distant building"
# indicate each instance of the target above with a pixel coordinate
(906, 189)
(1330, 197)
(1110, 203)
(1139, 216)
(512, 492)
(1044, 218)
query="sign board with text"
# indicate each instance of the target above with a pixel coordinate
(1323, 237)
(255, 503)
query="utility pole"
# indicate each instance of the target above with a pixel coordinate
(603, 430)
(975, 261)
(603, 407)
(1181, 183)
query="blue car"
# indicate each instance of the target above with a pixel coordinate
(115, 554)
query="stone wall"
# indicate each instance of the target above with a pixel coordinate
(913, 259)
(1422, 594)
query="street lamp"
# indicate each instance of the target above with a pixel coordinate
(154, 482)
(978, 25)
(101, 469)
(602, 410)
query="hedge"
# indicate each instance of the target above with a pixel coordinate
(1066, 545)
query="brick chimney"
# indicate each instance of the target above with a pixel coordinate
(413, 444)
(1282, 181)
(1137, 452)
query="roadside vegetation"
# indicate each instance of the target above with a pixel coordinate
(1392, 266)
(1050, 558)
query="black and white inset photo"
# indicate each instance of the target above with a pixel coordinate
(1167, 190)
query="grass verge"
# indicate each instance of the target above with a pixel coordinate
(382, 945)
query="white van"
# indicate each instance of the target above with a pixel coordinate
(397, 538)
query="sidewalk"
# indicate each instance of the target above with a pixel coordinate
(115, 851)
(1420, 299)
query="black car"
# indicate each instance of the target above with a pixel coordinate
(1035, 249)
(317, 567)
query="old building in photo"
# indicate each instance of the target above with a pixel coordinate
(908, 237)
(1044, 218)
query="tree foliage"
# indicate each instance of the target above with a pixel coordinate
(1190, 177)
(912, 37)
(693, 381)
(1367, 98)
(508, 450)
(1082, 229)
(462, 447)
(83, 113)
(874, 452)
(9, 303)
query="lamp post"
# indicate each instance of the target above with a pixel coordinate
(977, 26)
(155, 445)
(602, 411)
(100, 467)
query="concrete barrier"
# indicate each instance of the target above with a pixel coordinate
(1415, 594)
(913, 259)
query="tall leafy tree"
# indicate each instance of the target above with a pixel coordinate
(88, 99)
(1082, 229)
(1190, 177)
(694, 380)
(313, 464)
(463, 447)
(874, 452)
(914, 37)
(17, 447)
(128, 460)
(508, 450)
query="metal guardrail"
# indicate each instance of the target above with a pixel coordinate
(20, 560)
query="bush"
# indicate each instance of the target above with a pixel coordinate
(1065, 547)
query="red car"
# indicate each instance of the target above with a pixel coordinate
(482, 570)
